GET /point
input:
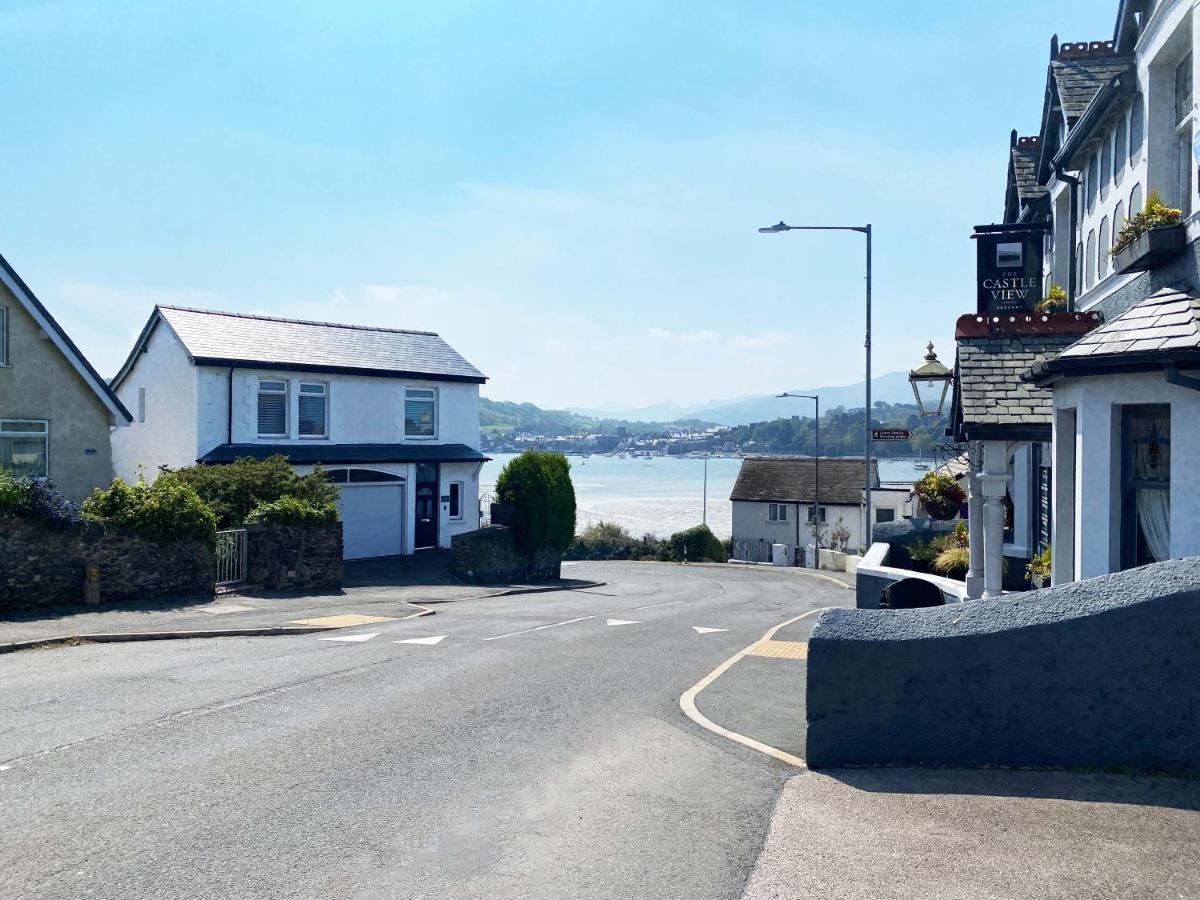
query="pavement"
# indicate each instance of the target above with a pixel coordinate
(533, 746)
(385, 589)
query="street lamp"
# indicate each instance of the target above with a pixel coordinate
(781, 226)
(816, 510)
(930, 382)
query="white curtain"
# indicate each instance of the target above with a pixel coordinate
(1154, 519)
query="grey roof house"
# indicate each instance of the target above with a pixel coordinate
(391, 414)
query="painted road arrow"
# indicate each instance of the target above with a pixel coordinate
(356, 638)
(427, 641)
(700, 629)
(622, 622)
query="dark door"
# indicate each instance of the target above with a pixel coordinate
(426, 533)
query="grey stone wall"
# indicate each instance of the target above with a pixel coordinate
(43, 566)
(1096, 673)
(489, 556)
(294, 557)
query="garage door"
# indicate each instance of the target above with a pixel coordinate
(372, 520)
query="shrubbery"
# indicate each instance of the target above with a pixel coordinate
(695, 544)
(232, 491)
(537, 485)
(292, 511)
(168, 510)
(608, 540)
(36, 500)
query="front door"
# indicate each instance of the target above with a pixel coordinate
(425, 535)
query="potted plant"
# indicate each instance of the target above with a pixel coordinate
(1055, 300)
(940, 494)
(1038, 570)
(1149, 237)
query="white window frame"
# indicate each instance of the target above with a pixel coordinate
(3, 336)
(44, 433)
(462, 492)
(324, 395)
(286, 393)
(434, 399)
(822, 511)
(777, 512)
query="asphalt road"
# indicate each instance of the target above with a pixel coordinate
(536, 751)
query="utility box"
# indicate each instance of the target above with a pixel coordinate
(779, 555)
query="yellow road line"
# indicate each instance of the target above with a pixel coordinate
(780, 649)
(688, 701)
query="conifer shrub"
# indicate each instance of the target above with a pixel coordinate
(537, 486)
(697, 544)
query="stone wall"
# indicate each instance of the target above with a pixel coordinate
(1096, 673)
(294, 557)
(46, 565)
(489, 556)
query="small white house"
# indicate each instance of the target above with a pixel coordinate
(773, 502)
(391, 416)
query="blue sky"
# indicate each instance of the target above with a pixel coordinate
(567, 191)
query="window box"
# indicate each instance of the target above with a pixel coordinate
(1150, 249)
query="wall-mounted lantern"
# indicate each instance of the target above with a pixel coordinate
(930, 383)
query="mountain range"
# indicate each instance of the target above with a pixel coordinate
(890, 388)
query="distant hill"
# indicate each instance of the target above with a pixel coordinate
(890, 388)
(498, 416)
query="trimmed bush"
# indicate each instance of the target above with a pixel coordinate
(35, 500)
(235, 489)
(291, 511)
(537, 485)
(165, 511)
(696, 544)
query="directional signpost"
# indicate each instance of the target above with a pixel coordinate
(891, 434)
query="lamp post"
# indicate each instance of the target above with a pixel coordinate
(704, 513)
(866, 230)
(816, 513)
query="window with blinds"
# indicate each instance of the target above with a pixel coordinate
(420, 412)
(272, 409)
(313, 409)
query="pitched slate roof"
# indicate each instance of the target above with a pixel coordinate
(790, 479)
(992, 399)
(1165, 327)
(225, 339)
(61, 340)
(1079, 80)
(313, 454)
(1024, 163)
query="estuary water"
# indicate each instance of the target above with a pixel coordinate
(660, 495)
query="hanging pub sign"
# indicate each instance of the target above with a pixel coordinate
(1009, 271)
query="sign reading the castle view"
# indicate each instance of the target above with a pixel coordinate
(1009, 268)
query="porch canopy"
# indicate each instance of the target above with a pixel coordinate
(995, 405)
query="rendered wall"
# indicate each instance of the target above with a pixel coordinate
(1097, 673)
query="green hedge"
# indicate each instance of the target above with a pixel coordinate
(292, 511)
(697, 543)
(236, 489)
(165, 511)
(537, 484)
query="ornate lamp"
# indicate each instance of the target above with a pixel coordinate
(930, 382)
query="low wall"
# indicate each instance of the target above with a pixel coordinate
(873, 574)
(1097, 673)
(43, 566)
(294, 557)
(489, 556)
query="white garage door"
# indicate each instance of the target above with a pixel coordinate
(372, 520)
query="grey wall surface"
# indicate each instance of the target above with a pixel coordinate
(1095, 673)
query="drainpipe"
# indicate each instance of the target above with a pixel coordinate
(1072, 262)
(229, 417)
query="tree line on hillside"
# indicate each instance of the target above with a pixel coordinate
(842, 432)
(503, 415)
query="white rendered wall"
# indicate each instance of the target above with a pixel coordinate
(168, 435)
(1096, 497)
(751, 523)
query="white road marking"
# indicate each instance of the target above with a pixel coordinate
(352, 638)
(220, 609)
(612, 622)
(700, 629)
(427, 641)
(656, 605)
(538, 628)
(5, 768)
(570, 564)
(688, 701)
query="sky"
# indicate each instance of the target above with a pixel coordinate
(567, 191)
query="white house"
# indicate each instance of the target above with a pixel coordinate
(773, 502)
(391, 416)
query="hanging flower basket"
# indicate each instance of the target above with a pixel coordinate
(940, 494)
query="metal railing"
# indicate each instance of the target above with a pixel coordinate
(231, 557)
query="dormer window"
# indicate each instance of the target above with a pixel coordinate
(272, 408)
